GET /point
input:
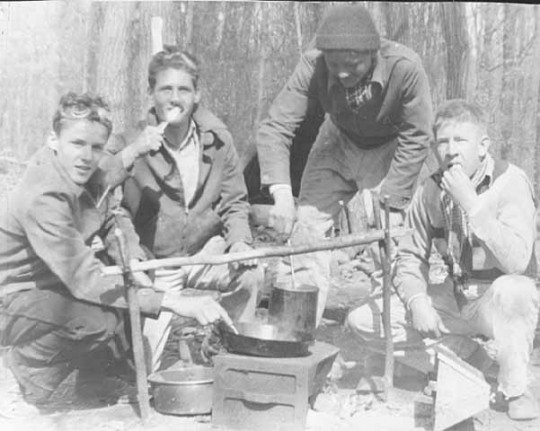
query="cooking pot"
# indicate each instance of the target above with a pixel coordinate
(294, 307)
(183, 391)
(262, 339)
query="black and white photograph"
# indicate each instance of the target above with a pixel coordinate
(269, 216)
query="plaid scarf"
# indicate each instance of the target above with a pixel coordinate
(459, 235)
(358, 95)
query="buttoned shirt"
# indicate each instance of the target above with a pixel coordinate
(186, 157)
(502, 223)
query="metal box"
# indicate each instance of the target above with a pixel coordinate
(256, 393)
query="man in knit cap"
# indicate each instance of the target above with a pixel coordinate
(375, 135)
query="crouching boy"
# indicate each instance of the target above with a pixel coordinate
(56, 230)
(481, 213)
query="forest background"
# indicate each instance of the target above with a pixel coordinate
(488, 52)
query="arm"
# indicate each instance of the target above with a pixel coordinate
(123, 221)
(50, 228)
(274, 137)
(412, 268)
(507, 231)
(412, 264)
(414, 136)
(123, 150)
(234, 208)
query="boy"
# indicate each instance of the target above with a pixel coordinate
(481, 212)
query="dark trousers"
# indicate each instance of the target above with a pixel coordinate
(50, 333)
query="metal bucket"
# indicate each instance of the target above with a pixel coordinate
(183, 391)
(294, 308)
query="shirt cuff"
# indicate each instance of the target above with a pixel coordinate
(150, 301)
(277, 187)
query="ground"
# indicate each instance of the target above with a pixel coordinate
(96, 402)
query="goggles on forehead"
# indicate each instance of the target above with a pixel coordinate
(82, 111)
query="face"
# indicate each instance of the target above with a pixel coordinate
(348, 66)
(461, 144)
(175, 88)
(79, 148)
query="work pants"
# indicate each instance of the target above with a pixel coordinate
(505, 313)
(50, 333)
(336, 170)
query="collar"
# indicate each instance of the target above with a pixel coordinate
(378, 77)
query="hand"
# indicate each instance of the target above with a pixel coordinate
(150, 139)
(203, 308)
(282, 215)
(239, 247)
(460, 187)
(170, 279)
(139, 277)
(426, 320)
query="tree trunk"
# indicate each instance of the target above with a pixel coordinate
(454, 28)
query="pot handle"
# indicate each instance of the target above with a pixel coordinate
(255, 397)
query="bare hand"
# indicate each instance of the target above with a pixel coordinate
(460, 187)
(283, 214)
(139, 277)
(150, 139)
(203, 308)
(239, 247)
(170, 279)
(426, 320)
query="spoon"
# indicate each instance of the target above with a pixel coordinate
(169, 117)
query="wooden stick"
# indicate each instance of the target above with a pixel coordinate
(385, 248)
(258, 253)
(136, 331)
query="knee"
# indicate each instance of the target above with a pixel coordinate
(364, 323)
(98, 324)
(516, 295)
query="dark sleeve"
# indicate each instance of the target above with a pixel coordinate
(274, 137)
(414, 135)
(50, 228)
(119, 217)
(234, 207)
(111, 164)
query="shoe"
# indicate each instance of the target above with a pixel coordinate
(12, 402)
(523, 408)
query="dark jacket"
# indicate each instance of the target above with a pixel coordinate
(153, 193)
(47, 224)
(400, 109)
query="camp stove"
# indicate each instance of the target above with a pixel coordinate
(269, 393)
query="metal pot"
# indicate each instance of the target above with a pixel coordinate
(261, 339)
(183, 391)
(294, 308)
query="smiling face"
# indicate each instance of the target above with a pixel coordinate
(461, 143)
(348, 66)
(175, 88)
(79, 147)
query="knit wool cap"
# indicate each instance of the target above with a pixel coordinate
(347, 26)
